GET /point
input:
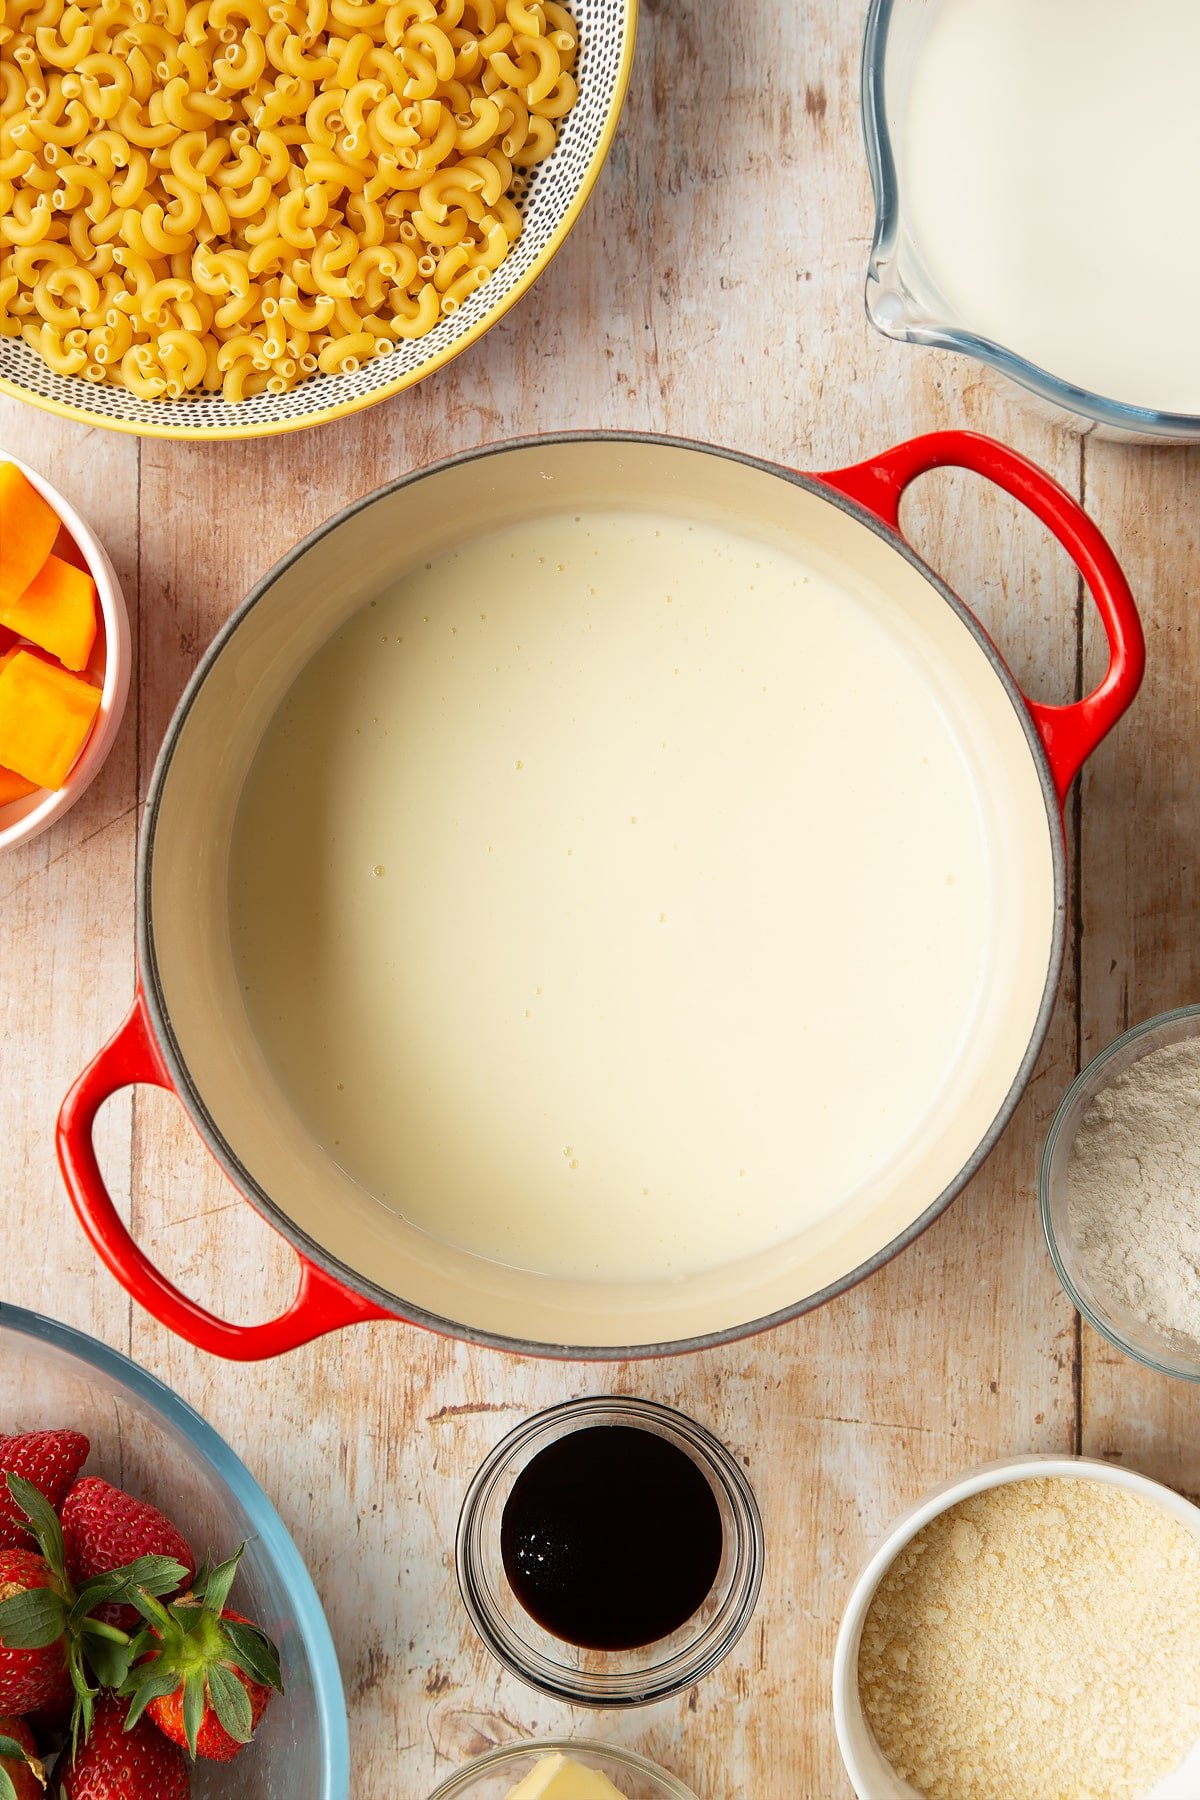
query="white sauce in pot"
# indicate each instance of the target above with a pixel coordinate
(611, 896)
(1050, 164)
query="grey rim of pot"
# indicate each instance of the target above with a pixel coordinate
(887, 301)
(679, 1669)
(1082, 1082)
(197, 1110)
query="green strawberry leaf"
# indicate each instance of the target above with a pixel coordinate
(153, 1574)
(193, 1708)
(216, 1588)
(109, 1661)
(142, 1687)
(83, 1709)
(96, 1592)
(143, 1644)
(231, 1703)
(187, 1616)
(252, 1651)
(7, 1790)
(32, 1620)
(43, 1523)
(150, 1608)
(156, 1574)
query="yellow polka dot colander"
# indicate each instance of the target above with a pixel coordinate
(549, 197)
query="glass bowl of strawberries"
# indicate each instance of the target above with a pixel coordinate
(128, 1600)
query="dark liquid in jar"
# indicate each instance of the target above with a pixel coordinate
(611, 1538)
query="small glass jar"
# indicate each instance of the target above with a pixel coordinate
(608, 1678)
(494, 1776)
(1118, 1324)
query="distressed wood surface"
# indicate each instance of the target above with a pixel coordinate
(713, 288)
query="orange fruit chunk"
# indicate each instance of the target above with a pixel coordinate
(57, 611)
(28, 528)
(14, 786)
(46, 713)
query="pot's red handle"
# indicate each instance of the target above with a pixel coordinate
(321, 1304)
(1069, 733)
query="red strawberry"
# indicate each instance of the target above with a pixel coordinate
(212, 1739)
(51, 1723)
(104, 1529)
(30, 1678)
(51, 1644)
(208, 1678)
(25, 1772)
(50, 1460)
(118, 1765)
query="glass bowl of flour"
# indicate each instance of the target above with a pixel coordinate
(1120, 1193)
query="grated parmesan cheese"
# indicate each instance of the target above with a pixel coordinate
(1039, 1641)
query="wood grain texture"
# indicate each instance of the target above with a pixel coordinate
(1140, 886)
(713, 289)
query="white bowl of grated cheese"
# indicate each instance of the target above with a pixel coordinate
(1120, 1193)
(1010, 1735)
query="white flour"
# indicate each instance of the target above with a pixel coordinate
(1134, 1190)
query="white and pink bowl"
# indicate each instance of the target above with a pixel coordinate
(111, 663)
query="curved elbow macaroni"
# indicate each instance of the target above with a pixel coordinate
(353, 348)
(230, 196)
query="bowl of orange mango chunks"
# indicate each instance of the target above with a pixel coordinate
(64, 654)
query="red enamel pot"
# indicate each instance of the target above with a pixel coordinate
(366, 1256)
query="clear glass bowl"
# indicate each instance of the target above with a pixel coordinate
(1119, 1326)
(903, 300)
(494, 1776)
(608, 1677)
(147, 1440)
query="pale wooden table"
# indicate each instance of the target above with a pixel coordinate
(712, 289)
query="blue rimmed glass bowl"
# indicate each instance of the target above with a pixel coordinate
(149, 1441)
(903, 299)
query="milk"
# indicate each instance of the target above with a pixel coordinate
(1048, 161)
(611, 896)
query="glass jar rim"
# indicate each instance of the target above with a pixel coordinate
(637, 1685)
(458, 1785)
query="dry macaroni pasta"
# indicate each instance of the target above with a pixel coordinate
(234, 194)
